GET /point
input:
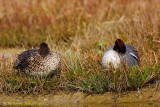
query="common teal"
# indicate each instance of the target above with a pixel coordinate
(39, 62)
(120, 53)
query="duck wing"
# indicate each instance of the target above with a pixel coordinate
(132, 51)
(22, 59)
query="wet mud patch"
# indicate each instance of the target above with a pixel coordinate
(146, 96)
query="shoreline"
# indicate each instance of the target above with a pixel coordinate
(146, 95)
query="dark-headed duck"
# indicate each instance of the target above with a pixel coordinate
(120, 53)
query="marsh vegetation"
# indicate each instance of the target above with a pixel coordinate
(80, 31)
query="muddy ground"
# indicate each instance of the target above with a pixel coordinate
(146, 96)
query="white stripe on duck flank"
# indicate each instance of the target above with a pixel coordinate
(134, 56)
(127, 53)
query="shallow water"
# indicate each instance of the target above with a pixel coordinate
(79, 99)
(144, 104)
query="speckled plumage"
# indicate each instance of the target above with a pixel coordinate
(32, 62)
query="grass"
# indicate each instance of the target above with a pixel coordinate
(79, 73)
(80, 32)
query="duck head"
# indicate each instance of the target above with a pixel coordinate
(119, 46)
(43, 49)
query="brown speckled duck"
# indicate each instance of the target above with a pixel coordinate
(38, 62)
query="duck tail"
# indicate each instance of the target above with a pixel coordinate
(16, 64)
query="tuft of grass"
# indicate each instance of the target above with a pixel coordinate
(95, 82)
(19, 83)
(139, 78)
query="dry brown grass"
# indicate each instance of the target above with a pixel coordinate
(81, 30)
(82, 24)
